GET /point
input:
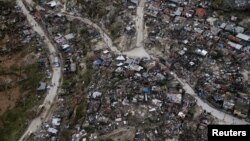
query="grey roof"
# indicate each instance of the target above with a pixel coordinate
(215, 30)
(42, 86)
(69, 36)
(239, 29)
(73, 67)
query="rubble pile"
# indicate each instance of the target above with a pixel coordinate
(127, 96)
(132, 92)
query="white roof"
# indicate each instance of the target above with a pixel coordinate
(234, 45)
(120, 64)
(56, 121)
(128, 28)
(243, 36)
(65, 46)
(138, 74)
(118, 119)
(131, 7)
(135, 67)
(181, 114)
(211, 20)
(52, 130)
(96, 94)
(120, 58)
(157, 102)
(152, 110)
(201, 52)
(204, 52)
(59, 14)
(69, 36)
(105, 51)
(185, 41)
(135, 1)
(191, 63)
(52, 3)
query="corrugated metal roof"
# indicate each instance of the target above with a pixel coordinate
(243, 36)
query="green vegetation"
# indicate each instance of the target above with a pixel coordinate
(33, 77)
(107, 11)
(24, 79)
(81, 110)
(69, 83)
(91, 6)
(90, 129)
(87, 75)
(85, 43)
(12, 71)
(239, 14)
(66, 84)
(115, 29)
(217, 3)
(65, 135)
(14, 121)
(108, 139)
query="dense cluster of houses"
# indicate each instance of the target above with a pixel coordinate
(209, 50)
(136, 92)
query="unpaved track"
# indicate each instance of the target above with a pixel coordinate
(56, 75)
(139, 51)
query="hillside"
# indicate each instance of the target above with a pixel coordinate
(20, 72)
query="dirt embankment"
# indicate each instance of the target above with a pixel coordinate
(11, 73)
(15, 56)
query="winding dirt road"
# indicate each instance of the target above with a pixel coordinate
(56, 75)
(105, 37)
(224, 118)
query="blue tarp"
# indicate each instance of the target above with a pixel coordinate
(146, 90)
(98, 61)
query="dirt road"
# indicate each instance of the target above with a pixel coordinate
(223, 117)
(36, 123)
(139, 51)
(105, 37)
